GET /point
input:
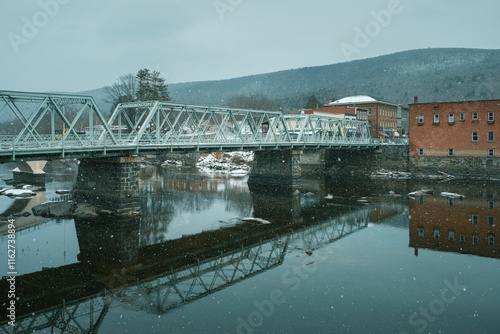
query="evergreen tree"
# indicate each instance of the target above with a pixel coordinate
(312, 102)
(144, 87)
(159, 88)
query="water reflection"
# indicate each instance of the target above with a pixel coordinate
(186, 250)
(462, 225)
(139, 263)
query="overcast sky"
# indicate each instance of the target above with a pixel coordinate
(76, 45)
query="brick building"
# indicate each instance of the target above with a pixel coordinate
(385, 119)
(454, 129)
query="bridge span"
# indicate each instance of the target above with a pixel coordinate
(41, 126)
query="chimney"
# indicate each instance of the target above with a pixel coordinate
(415, 99)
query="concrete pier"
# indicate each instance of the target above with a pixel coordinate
(30, 172)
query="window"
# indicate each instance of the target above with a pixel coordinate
(475, 116)
(491, 221)
(475, 219)
(491, 117)
(436, 233)
(475, 240)
(491, 153)
(491, 136)
(420, 151)
(475, 136)
(491, 239)
(491, 204)
(421, 232)
(462, 237)
(420, 119)
(451, 235)
(451, 152)
(436, 118)
(462, 117)
(451, 118)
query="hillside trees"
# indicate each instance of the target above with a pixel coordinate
(312, 102)
(254, 102)
(146, 85)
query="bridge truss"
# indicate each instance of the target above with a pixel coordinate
(83, 317)
(43, 125)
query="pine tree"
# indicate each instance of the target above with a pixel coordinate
(144, 88)
(160, 89)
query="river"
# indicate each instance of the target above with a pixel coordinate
(341, 256)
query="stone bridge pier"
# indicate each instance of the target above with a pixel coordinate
(109, 184)
(279, 169)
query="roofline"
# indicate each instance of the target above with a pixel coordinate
(447, 102)
(365, 102)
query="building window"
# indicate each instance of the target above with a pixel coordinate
(491, 239)
(491, 136)
(475, 219)
(475, 240)
(451, 118)
(436, 233)
(475, 136)
(491, 153)
(420, 119)
(475, 116)
(462, 117)
(491, 221)
(420, 151)
(421, 232)
(491, 204)
(436, 107)
(491, 117)
(451, 152)
(462, 237)
(451, 235)
(436, 118)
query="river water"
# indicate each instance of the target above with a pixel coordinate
(341, 256)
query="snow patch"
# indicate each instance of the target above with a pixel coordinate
(236, 164)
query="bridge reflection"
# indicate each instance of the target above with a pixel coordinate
(119, 266)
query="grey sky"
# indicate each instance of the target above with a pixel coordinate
(76, 45)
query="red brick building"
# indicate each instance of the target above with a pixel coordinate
(384, 118)
(455, 129)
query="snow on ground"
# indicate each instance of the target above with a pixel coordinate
(231, 163)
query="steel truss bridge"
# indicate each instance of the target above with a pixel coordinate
(165, 293)
(38, 125)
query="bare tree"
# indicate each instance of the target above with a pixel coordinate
(123, 90)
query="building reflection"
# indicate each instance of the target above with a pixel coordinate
(459, 225)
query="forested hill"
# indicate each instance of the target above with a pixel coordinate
(432, 74)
